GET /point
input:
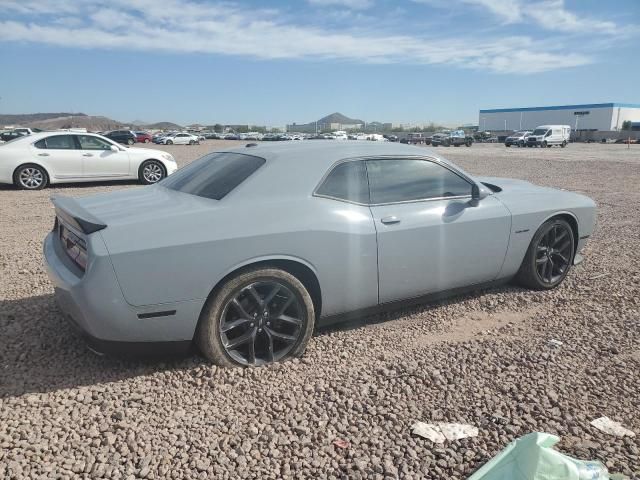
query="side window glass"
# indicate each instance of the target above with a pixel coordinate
(88, 142)
(60, 142)
(347, 181)
(40, 144)
(405, 180)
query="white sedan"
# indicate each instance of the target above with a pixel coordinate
(180, 139)
(34, 161)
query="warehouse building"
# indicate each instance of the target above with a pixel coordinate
(589, 117)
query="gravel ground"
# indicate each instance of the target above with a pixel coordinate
(482, 359)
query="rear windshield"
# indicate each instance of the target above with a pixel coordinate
(214, 175)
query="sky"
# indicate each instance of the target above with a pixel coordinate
(277, 62)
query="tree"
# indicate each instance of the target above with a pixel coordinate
(218, 128)
(626, 125)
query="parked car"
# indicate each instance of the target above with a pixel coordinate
(181, 138)
(232, 136)
(32, 162)
(440, 139)
(143, 137)
(212, 136)
(416, 138)
(368, 225)
(549, 135)
(126, 137)
(518, 139)
(392, 138)
(11, 135)
(458, 138)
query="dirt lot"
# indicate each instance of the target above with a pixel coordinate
(482, 359)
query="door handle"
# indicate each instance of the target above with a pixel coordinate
(390, 220)
(87, 154)
(43, 154)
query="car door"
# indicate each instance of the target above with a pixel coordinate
(431, 235)
(100, 161)
(60, 156)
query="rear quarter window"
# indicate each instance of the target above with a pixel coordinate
(347, 181)
(215, 175)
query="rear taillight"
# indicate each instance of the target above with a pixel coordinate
(74, 246)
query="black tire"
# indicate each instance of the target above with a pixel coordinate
(146, 140)
(151, 171)
(468, 143)
(130, 141)
(507, 145)
(192, 142)
(528, 275)
(169, 142)
(564, 144)
(208, 334)
(521, 144)
(30, 177)
(544, 144)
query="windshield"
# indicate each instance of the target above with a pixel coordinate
(540, 131)
(214, 175)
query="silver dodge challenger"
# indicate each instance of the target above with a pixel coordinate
(243, 252)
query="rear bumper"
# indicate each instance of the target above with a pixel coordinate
(95, 306)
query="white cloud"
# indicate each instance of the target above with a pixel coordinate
(549, 14)
(350, 4)
(192, 27)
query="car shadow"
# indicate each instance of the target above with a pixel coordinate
(41, 352)
(398, 312)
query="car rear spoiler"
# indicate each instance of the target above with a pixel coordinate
(71, 212)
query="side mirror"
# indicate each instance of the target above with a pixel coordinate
(114, 148)
(475, 192)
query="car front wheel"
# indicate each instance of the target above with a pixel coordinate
(258, 317)
(130, 141)
(549, 256)
(30, 177)
(151, 171)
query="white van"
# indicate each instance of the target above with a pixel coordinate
(549, 135)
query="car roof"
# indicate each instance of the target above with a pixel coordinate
(329, 152)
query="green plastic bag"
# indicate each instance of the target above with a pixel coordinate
(532, 457)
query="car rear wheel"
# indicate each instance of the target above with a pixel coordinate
(130, 141)
(468, 143)
(192, 142)
(258, 317)
(151, 171)
(30, 177)
(146, 140)
(549, 256)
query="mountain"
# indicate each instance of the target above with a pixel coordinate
(339, 118)
(90, 122)
(162, 126)
(28, 118)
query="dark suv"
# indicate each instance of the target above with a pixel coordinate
(122, 136)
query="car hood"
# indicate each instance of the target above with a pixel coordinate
(513, 190)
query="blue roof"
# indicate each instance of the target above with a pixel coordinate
(562, 107)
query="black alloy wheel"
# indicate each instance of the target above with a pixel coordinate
(262, 323)
(549, 257)
(258, 317)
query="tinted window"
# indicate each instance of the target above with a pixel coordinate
(405, 180)
(347, 181)
(88, 142)
(214, 175)
(58, 142)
